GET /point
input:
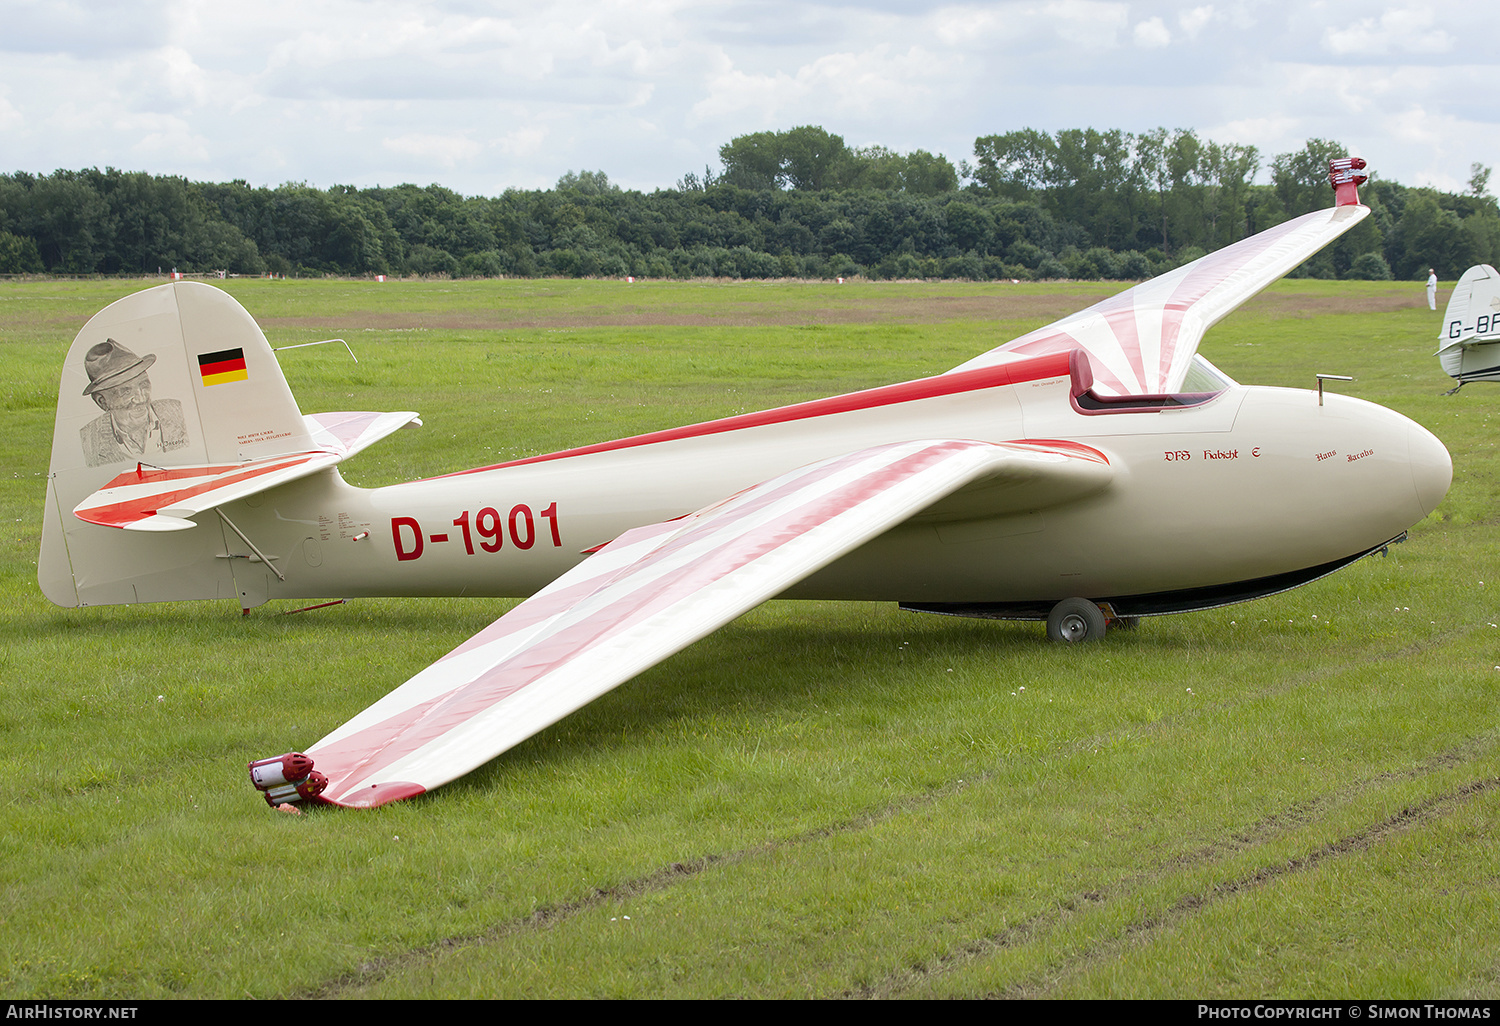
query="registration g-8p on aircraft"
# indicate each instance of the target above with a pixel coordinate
(1469, 340)
(1096, 469)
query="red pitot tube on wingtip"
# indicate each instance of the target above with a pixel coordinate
(1346, 175)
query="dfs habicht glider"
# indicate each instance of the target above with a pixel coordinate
(1096, 469)
(1469, 341)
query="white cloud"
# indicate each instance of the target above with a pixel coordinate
(155, 146)
(860, 83)
(1395, 31)
(1332, 86)
(1152, 34)
(523, 142)
(83, 28)
(1088, 23)
(1195, 20)
(180, 76)
(10, 118)
(447, 150)
(1077, 26)
(162, 136)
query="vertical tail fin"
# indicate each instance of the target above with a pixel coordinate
(170, 376)
(1471, 326)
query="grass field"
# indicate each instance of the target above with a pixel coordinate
(1293, 797)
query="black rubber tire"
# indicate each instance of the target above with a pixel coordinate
(1075, 621)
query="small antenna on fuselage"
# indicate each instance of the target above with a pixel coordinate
(322, 342)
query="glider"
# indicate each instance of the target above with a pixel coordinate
(1094, 470)
(1467, 341)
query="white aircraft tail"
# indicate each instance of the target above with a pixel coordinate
(1469, 341)
(171, 405)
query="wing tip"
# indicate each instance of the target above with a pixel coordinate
(377, 794)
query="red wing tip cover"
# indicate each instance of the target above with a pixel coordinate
(649, 593)
(380, 794)
(284, 779)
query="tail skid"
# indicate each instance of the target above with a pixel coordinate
(172, 404)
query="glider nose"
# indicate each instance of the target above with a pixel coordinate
(1431, 467)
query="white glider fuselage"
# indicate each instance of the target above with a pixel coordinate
(1248, 484)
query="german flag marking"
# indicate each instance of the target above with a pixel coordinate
(226, 365)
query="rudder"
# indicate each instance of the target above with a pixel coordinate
(1471, 327)
(174, 375)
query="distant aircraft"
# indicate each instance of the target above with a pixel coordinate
(1094, 470)
(1467, 340)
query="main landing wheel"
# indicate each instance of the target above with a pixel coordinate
(1075, 620)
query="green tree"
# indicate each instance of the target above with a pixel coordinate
(874, 167)
(69, 221)
(811, 158)
(753, 161)
(1153, 169)
(1429, 236)
(1015, 164)
(588, 183)
(1301, 179)
(19, 255)
(1227, 172)
(1479, 180)
(927, 174)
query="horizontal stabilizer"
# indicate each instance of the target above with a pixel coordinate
(162, 498)
(349, 433)
(1142, 341)
(649, 593)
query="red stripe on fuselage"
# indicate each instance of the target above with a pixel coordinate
(1016, 372)
(1061, 445)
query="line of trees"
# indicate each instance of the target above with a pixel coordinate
(1077, 203)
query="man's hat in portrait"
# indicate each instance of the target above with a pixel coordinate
(109, 364)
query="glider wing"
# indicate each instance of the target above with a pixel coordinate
(1141, 341)
(647, 594)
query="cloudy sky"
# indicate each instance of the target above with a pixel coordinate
(485, 95)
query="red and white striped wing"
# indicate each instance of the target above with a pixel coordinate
(162, 498)
(1141, 341)
(648, 594)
